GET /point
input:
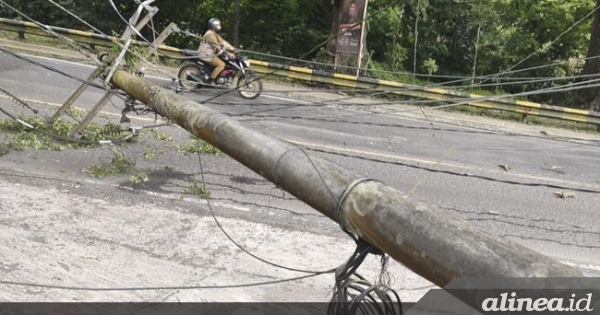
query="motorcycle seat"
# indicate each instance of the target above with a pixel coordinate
(189, 53)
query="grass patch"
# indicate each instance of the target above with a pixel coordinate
(197, 188)
(161, 135)
(150, 153)
(4, 149)
(75, 112)
(138, 178)
(199, 146)
(117, 165)
(564, 124)
(54, 137)
(24, 140)
(530, 120)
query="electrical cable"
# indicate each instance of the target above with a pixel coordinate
(19, 101)
(212, 212)
(300, 59)
(353, 294)
(152, 288)
(412, 101)
(128, 23)
(62, 138)
(347, 290)
(345, 286)
(271, 73)
(90, 83)
(495, 76)
(466, 131)
(354, 268)
(554, 41)
(460, 174)
(236, 88)
(550, 90)
(462, 78)
(47, 29)
(70, 76)
(154, 67)
(525, 81)
(468, 100)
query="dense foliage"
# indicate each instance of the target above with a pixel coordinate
(441, 39)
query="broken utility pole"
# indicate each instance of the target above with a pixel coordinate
(430, 243)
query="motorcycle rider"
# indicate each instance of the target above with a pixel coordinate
(211, 47)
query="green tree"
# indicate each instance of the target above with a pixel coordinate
(41, 11)
(590, 98)
(516, 38)
(386, 41)
(286, 27)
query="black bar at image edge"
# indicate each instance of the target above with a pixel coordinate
(145, 308)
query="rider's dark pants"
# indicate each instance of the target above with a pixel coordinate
(219, 67)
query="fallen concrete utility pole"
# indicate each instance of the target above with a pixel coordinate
(429, 242)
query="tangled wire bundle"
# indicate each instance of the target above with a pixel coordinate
(353, 294)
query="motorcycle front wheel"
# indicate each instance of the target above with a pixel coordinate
(249, 85)
(185, 71)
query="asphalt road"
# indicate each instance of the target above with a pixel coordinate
(451, 167)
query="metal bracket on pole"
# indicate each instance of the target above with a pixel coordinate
(165, 33)
(127, 35)
(151, 12)
(87, 119)
(134, 27)
(76, 94)
(170, 29)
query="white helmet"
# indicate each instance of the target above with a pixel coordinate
(214, 24)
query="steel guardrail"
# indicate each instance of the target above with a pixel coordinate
(306, 74)
(76, 35)
(438, 94)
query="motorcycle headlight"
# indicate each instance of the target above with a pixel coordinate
(246, 63)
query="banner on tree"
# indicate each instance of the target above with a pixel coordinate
(350, 27)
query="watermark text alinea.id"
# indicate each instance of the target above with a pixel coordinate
(517, 304)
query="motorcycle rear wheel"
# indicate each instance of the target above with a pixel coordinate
(249, 86)
(185, 71)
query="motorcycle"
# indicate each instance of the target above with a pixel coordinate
(194, 74)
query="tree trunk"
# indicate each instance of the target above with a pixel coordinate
(476, 52)
(590, 98)
(334, 28)
(236, 23)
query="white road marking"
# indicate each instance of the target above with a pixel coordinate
(59, 60)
